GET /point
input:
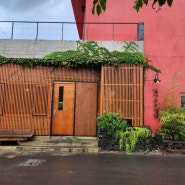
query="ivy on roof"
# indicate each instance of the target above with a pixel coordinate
(88, 54)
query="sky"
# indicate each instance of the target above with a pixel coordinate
(41, 11)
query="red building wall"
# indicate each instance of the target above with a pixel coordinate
(164, 41)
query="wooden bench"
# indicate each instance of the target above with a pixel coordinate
(15, 135)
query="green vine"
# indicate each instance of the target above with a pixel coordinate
(88, 54)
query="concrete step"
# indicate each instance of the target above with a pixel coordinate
(57, 144)
(50, 149)
(61, 141)
(57, 149)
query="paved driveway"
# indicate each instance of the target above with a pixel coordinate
(90, 169)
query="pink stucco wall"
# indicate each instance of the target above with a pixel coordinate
(164, 42)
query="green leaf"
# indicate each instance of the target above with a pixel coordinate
(138, 4)
(103, 4)
(95, 2)
(170, 2)
(161, 2)
(93, 9)
(145, 2)
(98, 9)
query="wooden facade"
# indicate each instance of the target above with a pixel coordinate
(65, 101)
(27, 99)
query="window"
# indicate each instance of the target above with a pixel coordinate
(40, 100)
(60, 98)
(18, 99)
(183, 100)
(24, 99)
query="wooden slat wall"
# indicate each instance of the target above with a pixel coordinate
(122, 92)
(26, 95)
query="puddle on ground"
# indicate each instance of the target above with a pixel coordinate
(32, 162)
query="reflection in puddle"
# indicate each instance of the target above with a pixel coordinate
(32, 162)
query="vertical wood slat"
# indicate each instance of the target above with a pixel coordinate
(127, 107)
(1, 98)
(141, 94)
(134, 94)
(102, 88)
(123, 92)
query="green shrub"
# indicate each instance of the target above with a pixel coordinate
(172, 123)
(131, 136)
(111, 122)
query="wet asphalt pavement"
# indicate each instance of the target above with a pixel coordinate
(90, 169)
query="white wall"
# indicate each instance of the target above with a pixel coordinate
(39, 48)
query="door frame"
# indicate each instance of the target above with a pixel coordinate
(71, 81)
(52, 102)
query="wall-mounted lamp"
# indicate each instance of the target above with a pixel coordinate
(156, 79)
